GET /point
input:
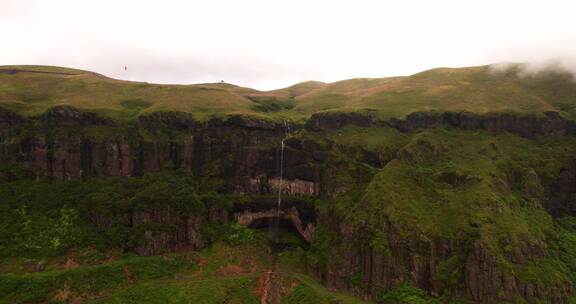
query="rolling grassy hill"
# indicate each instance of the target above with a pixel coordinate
(30, 90)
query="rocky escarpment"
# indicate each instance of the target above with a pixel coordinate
(68, 144)
(8, 120)
(69, 116)
(325, 121)
(181, 230)
(243, 154)
(366, 264)
(550, 123)
(437, 266)
(65, 144)
(564, 190)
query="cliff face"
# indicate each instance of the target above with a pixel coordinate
(550, 123)
(248, 146)
(437, 266)
(67, 144)
(62, 145)
(524, 125)
(182, 229)
(452, 267)
(8, 120)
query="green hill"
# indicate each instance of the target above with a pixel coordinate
(30, 90)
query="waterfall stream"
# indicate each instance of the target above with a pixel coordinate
(271, 288)
(276, 228)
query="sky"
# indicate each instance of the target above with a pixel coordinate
(269, 44)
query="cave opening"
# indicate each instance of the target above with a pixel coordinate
(288, 236)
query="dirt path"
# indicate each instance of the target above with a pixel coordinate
(270, 288)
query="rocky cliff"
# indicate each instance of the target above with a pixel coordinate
(243, 152)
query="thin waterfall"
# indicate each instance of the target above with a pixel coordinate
(271, 288)
(280, 186)
(281, 174)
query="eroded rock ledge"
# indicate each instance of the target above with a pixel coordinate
(549, 123)
(300, 213)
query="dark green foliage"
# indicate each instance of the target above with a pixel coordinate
(10, 172)
(271, 104)
(135, 104)
(238, 235)
(564, 244)
(320, 250)
(40, 218)
(302, 294)
(51, 236)
(406, 294)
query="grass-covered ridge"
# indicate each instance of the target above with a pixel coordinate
(31, 90)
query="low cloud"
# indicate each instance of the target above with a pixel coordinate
(564, 66)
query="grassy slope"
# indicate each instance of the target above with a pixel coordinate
(475, 89)
(32, 93)
(219, 274)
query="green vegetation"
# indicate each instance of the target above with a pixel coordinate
(239, 290)
(474, 89)
(238, 234)
(271, 104)
(463, 186)
(304, 295)
(44, 219)
(50, 226)
(406, 294)
(220, 273)
(64, 285)
(310, 290)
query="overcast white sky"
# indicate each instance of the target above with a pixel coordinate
(268, 44)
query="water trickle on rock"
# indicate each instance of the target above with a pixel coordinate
(271, 288)
(280, 186)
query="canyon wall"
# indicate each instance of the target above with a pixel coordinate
(67, 144)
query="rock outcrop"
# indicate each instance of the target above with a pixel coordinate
(247, 218)
(70, 116)
(60, 144)
(429, 265)
(8, 120)
(551, 123)
(162, 229)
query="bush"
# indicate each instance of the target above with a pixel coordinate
(406, 294)
(302, 294)
(240, 235)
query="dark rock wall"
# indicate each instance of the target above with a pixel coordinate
(550, 123)
(429, 265)
(239, 149)
(245, 153)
